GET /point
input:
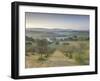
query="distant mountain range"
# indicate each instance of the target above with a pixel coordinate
(52, 30)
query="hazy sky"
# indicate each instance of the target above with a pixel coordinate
(49, 20)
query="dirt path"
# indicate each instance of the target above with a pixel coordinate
(58, 59)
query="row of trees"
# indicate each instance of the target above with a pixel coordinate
(78, 52)
(41, 48)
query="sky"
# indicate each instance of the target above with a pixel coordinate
(62, 21)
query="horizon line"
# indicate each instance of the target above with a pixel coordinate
(59, 28)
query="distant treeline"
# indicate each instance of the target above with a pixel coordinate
(72, 38)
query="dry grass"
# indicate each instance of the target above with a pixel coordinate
(56, 59)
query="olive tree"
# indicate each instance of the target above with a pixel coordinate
(42, 46)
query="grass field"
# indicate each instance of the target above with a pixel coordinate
(66, 53)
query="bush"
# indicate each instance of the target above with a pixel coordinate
(41, 59)
(66, 43)
(43, 49)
